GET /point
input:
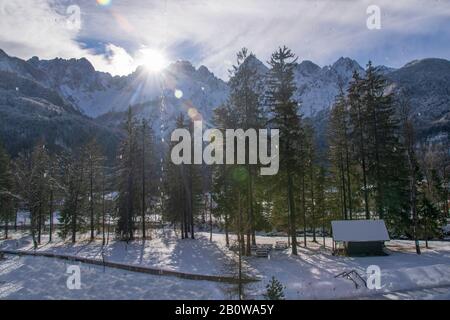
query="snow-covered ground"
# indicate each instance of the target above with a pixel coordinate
(310, 275)
(40, 278)
(164, 251)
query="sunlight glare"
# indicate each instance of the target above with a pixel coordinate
(152, 59)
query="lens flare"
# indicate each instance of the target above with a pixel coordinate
(104, 2)
(178, 94)
(194, 114)
(240, 174)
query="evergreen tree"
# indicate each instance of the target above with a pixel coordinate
(359, 135)
(32, 175)
(284, 111)
(174, 202)
(72, 218)
(7, 196)
(192, 182)
(321, 205)
(311, 175)
(225, 193)
(128, 200)
(245, 104)
(55, 191)
(384, 152)
(183, 188)
(430, 219)
(94, 163)
(340, 153)
(409, 142)
(146, 171)
(274, 290)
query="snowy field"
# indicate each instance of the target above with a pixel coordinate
(45, 278)
(164, 251)
(310, 275)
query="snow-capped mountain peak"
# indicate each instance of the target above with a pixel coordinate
(307, 67)
(96, 93)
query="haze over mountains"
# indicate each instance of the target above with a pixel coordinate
(52, 98)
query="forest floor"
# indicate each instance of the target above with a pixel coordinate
(310, 275)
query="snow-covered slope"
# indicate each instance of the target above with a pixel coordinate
(318, 87)
(31, 110)
(427, 84)
(96, 93)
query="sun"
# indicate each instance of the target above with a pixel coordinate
(153, 60)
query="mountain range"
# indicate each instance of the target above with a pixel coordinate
(54, 99)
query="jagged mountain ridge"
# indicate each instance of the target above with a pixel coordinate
(98, 94)
(32, 110)
(427, 84)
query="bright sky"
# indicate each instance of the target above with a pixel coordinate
(118, 35)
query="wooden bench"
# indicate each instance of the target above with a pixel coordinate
(262, 253)
(281, 245)
(267, 246)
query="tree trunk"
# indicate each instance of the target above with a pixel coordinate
(103, 210)
(304, 208)
(191, 205)
(15, 217)
(240, 246)
(33, 226)
(227, 238)
(51, 216)
(343, 187)
(6, 228)
(312, 203)
(91, 200)
(40, 223)
(291, 206)
(323, 227)
(143, 182)
(446, 215)
(347, 164)
(210, 218)
(377, 163)
(363, 164)
(74, 227)
(413, 198)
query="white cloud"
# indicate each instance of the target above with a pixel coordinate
(36, 28)
(116, 60)
(318, 30)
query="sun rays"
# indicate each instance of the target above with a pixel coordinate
(153, 60)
